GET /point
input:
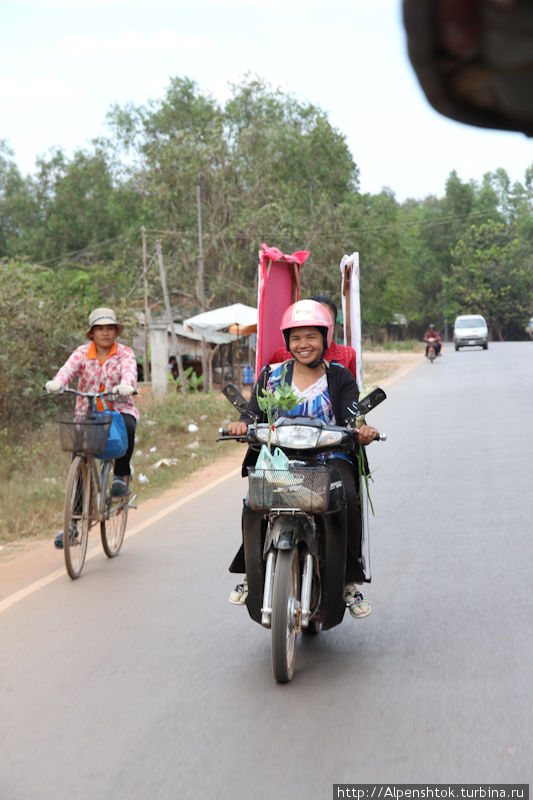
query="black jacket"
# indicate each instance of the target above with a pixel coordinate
(343, 391)
(341, 383)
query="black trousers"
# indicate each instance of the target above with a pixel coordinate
(122, 464)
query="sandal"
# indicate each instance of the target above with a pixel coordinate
(358, 604)
(239, 594)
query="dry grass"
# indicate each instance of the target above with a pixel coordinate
(34, 470)
(31, 498)
(374, 372)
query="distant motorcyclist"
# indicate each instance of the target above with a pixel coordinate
(432, 336)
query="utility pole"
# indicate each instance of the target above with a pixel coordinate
(175, 341)
(200, 290)
(147, 316)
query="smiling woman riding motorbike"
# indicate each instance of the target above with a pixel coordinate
(326, 391)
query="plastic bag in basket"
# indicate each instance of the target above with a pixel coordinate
(276, 466)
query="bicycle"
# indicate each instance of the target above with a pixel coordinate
(88, 498)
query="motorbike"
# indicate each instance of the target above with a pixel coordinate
(294, 551)
(431, 348)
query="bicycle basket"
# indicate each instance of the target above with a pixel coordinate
(305, 488)
(83, 434)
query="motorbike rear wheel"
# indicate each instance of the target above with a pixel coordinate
(285, 605)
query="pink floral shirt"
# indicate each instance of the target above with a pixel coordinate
(119, 367)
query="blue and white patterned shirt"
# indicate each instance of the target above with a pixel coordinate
(315, 400)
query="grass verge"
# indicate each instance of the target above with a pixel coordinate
(32, 484)
(33, 470)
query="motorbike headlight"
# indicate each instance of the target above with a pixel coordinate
(297, 437)
(328, 438)
(262, 435)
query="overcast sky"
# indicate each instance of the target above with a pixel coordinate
(63, 63)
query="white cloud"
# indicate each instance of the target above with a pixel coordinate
(268, 4)
(17, 95)
(132, 5)
(129, 44)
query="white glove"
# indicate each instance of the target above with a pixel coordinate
(54, 387)
(124, 390)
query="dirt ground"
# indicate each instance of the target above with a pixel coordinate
(23, 564)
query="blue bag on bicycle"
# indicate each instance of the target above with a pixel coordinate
(117, 440)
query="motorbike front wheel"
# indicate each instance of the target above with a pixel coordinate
(285, 622)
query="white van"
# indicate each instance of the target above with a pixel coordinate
(470, 330)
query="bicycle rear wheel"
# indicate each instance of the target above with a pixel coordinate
(113, 526)
(76, 517)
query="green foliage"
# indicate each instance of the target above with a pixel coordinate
(43, 316)
(192, 380)
(492, 275)
(272, 401)
(271, 169)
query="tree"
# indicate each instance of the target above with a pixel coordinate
(19, 212)
(270, 169)
(492, 275)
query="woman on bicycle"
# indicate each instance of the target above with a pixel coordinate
(103, 365)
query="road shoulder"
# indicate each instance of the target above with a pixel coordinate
(23, 564)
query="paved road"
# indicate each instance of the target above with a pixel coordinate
(140, 681)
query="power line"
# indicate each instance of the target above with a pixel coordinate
(356, 230)
(89, 247)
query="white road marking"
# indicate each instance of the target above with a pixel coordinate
(36, 586)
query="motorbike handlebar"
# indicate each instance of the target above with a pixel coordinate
(224, 435)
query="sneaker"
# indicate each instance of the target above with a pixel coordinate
(73, 534)
(358, 604)
(239, 594)
(119, 487)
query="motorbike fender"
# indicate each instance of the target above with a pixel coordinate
(253, 534)
(333, 572)
(334, 557)
(283, 533)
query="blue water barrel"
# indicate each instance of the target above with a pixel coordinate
(247, 374)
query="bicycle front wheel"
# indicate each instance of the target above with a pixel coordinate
(113, 526)
(76, 518)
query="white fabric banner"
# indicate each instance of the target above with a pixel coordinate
(351, 312)
(351, 309)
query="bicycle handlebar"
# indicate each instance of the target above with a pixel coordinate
(90, 395)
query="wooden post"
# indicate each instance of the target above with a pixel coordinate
(200, 291)
(175, 341)
(147, 316)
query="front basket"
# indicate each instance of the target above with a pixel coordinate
(83, 434)
(303, 488)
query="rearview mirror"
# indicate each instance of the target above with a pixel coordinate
(373, 399)
(236, 399)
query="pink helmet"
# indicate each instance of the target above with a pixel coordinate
(307, 313)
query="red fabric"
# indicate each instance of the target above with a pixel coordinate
(340, 353)
(276, 255)
(279, 286)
